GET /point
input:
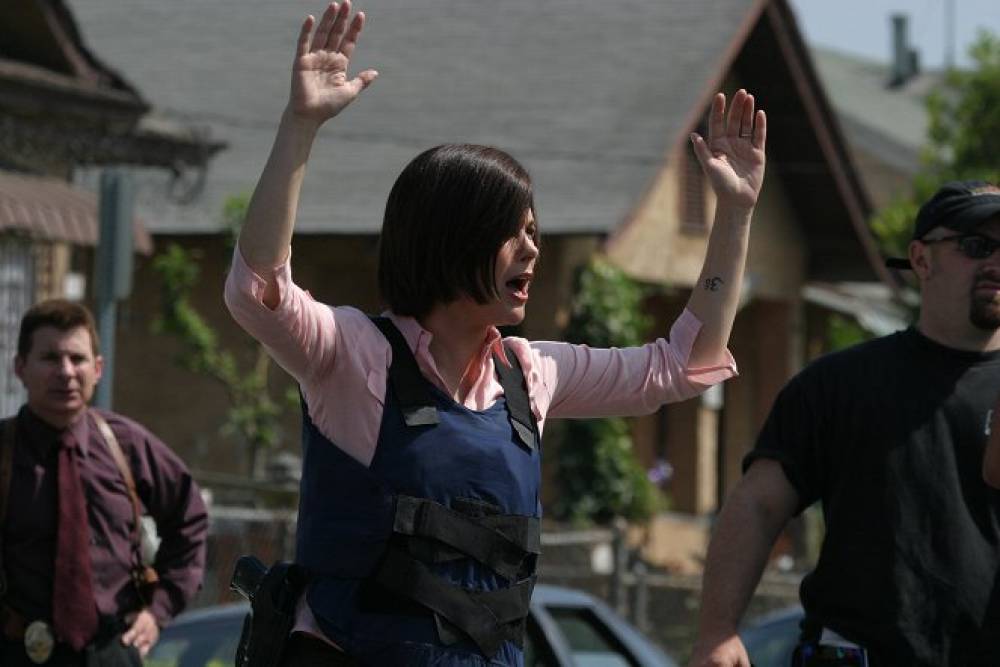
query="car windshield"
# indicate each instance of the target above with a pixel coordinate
(589, 640)
(205, 644)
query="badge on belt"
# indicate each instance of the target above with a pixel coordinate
(39, 642)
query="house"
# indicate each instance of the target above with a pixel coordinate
(882, 108)
(61, 107)
(596, 99)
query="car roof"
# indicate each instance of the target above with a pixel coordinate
(544, 594)
(548, 594)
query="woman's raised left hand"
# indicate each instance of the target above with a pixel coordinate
(733, 155)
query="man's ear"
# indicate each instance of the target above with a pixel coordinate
(98, 367)
(920, 259)
(19, 367)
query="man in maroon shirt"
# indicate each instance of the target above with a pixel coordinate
(69, 546)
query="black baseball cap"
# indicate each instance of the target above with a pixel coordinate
(959, 205)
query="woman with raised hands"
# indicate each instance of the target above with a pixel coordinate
(419, 510)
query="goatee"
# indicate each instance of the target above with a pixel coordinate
(984, 313)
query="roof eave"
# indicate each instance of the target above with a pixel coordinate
(828, 133)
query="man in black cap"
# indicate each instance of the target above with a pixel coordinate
(889, 436)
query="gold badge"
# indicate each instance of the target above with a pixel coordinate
(39, 642)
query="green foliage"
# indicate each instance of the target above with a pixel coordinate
(963, 141)
(607, 308)
(598, 474)
(843, 332)
(965, 115)
(234, 210)
(253, 416)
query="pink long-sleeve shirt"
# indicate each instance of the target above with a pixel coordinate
(341, 362)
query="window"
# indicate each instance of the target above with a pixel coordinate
(17, 293)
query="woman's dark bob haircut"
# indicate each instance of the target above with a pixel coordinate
(448, 214)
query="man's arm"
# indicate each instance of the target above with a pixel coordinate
(758, 509)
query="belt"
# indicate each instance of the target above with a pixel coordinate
(13, 625)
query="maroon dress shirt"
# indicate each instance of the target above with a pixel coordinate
(165, 487)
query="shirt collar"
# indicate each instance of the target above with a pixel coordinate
(44, 435)
(419, 338)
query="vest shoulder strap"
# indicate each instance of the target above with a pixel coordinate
(518, 403)
(405, 379)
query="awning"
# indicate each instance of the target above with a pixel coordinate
(872, 305)
(53, 210)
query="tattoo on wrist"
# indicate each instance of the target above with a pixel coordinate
(714, 283)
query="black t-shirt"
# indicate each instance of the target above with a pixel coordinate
(889, 435)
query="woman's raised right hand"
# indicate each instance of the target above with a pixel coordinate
(320, 87)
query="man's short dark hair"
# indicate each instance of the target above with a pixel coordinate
(448, 214)
(59, 313)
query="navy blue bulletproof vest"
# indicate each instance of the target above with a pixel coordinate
(427, 556)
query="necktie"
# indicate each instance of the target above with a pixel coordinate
(74, 610)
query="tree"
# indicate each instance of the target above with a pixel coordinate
(598, 474)
(963, 141)
(254, 415)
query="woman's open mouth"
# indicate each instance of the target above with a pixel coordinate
(519, 286)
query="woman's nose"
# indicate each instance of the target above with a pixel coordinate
(528, 246)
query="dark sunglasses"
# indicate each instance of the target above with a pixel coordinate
(973, 246)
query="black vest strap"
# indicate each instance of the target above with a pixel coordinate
(502, 550)
(518, 403)
(487, 617)
(415, 400)
(405, 378)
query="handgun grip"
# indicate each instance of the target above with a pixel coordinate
(247, 575)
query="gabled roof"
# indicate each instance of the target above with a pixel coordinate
(806, 148)
(886, 126)
(809, 150)
(593, 97)
(896, 116)
(589, 95)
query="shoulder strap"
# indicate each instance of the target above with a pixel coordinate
(123, 467)
(516, 392)
(143, 574)
(8, 438)
(407, 383)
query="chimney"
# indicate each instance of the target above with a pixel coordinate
(905, 61)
